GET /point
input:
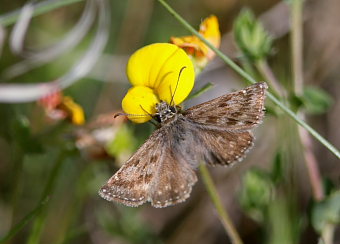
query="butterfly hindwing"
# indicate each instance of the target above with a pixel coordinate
(199, 143)
(174, 182)
(241, 110)
(225, 147)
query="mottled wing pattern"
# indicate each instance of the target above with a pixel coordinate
(217, 131)
(173, 182)
(225, 147)
(241, 110)
(152, 174)
(130, 185)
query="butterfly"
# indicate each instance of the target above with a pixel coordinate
(216, 132)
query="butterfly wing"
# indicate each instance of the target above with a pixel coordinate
(161, 169)
(173, 182)
(197, 143)
(241, 110)
(153, 173)
(225, 147)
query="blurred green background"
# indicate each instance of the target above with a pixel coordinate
(51, 171)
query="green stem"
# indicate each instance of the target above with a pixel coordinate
(263, 67)
(67, 230)
(23, 222)
(39, 222)
(43, 7)
(311, 165)
(296, 43)
(224, 217)
(310, 160)
(250, 79)
(297, 61)
(17, 156)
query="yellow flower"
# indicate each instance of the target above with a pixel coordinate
(140, 101)
(154, 71)
(201, 54)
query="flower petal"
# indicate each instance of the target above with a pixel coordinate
(140, 101)
(158, 66)
(144, 65)
(177, 85)
(74, 110)
(209, 28)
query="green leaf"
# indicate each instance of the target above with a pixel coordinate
(256, 193)
(130, 227)
(315, 100)
(122, 143)
(326, 212)
(250, 36)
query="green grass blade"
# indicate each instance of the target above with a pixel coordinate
(31, 215)
(223, 214)
(39, 222)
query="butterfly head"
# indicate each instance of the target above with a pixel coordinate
(165, 111)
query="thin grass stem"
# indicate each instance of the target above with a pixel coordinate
(263, 67)
(40, 220)
(296, 44)
(250, 79)
(31, 215)
(224, 216)
(297, 61)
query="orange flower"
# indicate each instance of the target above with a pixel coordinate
(74, 111)
(59, 107)
(193, 46)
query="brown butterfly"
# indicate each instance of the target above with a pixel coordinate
(216, 132)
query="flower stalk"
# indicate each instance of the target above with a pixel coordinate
(296, 44)
(263, 67)
(224, 217)
(297, 61)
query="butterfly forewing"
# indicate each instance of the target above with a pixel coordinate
(154, 173)
(241, 110)
(131, 183)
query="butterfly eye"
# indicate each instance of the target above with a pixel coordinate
(157, 117)
(172, 109)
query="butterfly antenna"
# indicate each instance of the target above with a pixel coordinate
(151, 115)
(133, 115)
(179, 76)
